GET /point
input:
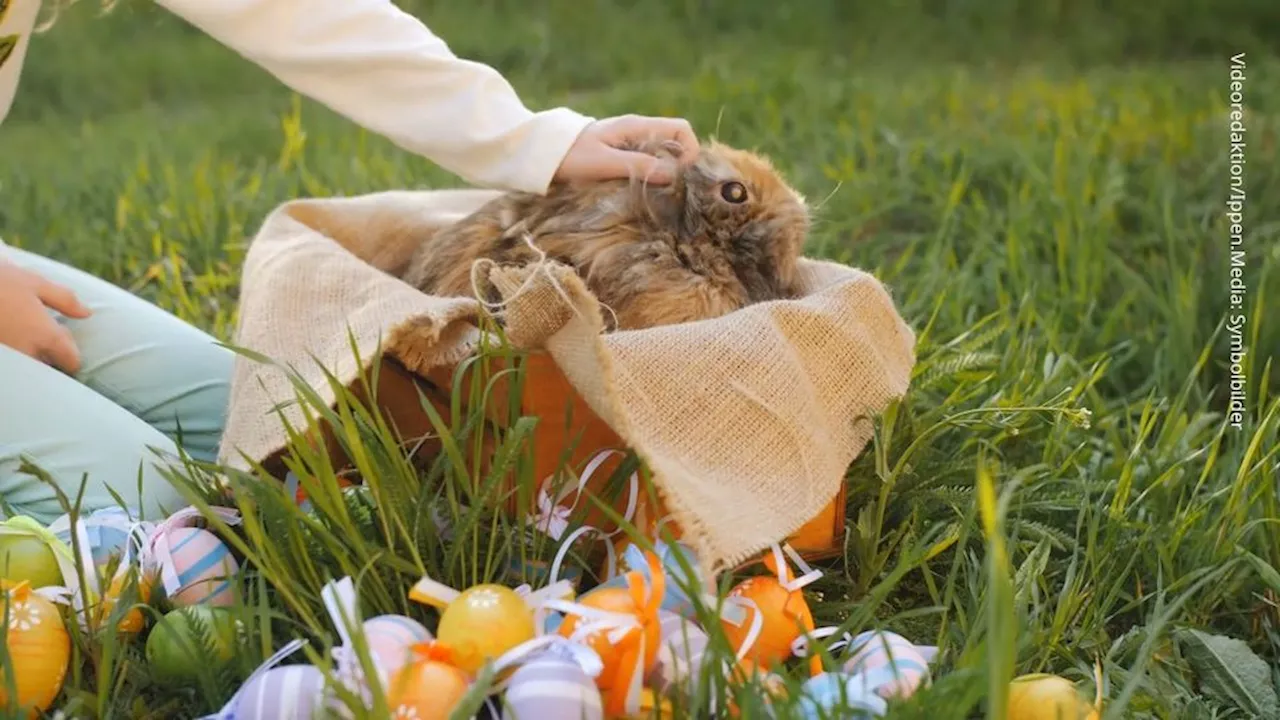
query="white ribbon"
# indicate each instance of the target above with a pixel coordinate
(800, 646)
(611, 554)
(554, 645)
(158, 552)
(228, 711)
(552, 518)
(757, 622)
(793, 584)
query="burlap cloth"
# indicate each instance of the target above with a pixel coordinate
(748, 422)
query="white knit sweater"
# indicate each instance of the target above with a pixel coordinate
(379, 67)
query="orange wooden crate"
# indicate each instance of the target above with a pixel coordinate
(564, 421)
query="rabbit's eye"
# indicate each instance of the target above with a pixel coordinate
(734, 192)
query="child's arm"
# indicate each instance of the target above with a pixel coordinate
(383, 69)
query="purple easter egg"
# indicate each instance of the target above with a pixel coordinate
(682, 647)
(205, 568)
(288, 692)
(552, 688)
(389, 638)
(874, 650)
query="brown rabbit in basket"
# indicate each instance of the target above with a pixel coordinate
(724, 234)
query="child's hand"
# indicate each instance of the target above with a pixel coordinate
(595, 156)
(25, 322)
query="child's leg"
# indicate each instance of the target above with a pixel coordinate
(69, 430)
(169, 374)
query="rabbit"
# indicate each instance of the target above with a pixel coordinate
(727, 232)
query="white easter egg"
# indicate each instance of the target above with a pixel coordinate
(288, 692)
(875, 650)
(682, 647)
(552, 688)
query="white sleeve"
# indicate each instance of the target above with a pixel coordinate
(383, 69)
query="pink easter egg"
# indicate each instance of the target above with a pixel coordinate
(288, 692)
(205, 567)
(682, 647)
(389, 638)
(873, 650)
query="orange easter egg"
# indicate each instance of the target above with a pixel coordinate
(785, 615)
(484, 622)
(616, 600)
(38, 645)
(429, 687)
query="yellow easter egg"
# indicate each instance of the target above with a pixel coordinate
(38, 645)
(1042, 696)
(133, 621)
(484, 622)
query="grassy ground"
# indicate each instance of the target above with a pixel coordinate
(1061, 487)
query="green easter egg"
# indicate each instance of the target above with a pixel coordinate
(179, 652)
(26, 557)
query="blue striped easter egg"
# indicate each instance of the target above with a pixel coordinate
(389, 638)
(288, 692)
(205, 567)
(552, 688)
(876, 650)
(683, 647)
(822, 694)
(107, 531)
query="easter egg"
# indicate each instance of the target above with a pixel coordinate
(205, 568)
(552, 687)
(390, 638)
(1042, 696)
(288, 692)
(617, 600)
(873, 650)
(176, 647)
(682, 647)
(483, 622)
(426, 689)
(675, 597)
(142, 585)
(29, 558)
(107, 531)
(785, 615)
(38, 647)
(822, 694)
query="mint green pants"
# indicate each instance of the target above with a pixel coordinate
(147, 382)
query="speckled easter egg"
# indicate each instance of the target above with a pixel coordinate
(1042, 696)
(389, 638)
(176, 647)
(683, 646)
(822, 694)
(783, 614)
(873, 650)
(288, 692)
(483, 622)
(206, 568)
(29, 558)
(552, 687)
(38, 647)
(107, 531)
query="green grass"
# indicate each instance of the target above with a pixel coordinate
(1060, 487)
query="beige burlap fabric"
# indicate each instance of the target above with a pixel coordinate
(748, 422)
